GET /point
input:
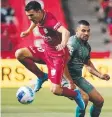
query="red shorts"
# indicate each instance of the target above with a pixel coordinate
(55, 61)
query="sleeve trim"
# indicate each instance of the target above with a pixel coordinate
(57, 25)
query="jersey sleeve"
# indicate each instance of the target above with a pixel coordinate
(53, 23)
(72, 45)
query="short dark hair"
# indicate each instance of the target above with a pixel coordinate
(83, 22)
(33, 5)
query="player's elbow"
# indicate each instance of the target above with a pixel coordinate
(63, 30)
(89, 68)
(67, 33)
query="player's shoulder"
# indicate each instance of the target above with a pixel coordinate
(49, 15)
(89, 47)
(72, 44)
(73, 39)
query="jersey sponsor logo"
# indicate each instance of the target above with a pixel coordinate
(46, 38)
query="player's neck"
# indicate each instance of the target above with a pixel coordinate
(79, 39)
(43, 17)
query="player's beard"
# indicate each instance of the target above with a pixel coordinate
(85, 38)
(34, 21)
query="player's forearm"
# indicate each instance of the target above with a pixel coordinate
(32, 26)
(91, 68)
(65, 36)
(95, 72)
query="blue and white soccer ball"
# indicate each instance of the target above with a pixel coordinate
(25, 95)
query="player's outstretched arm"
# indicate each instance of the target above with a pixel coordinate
(27, 32)
(65, 37)
(91, 68)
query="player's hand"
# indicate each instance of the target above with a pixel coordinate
(71, 85)
(60, 46)
(105, 77)
(24, 34)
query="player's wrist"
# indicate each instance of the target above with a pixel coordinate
(28, 31)
(101, 76)
(63, 43)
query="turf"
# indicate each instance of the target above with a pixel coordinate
(47, 105)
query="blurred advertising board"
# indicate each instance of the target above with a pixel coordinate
(14, 74)
(104, 66)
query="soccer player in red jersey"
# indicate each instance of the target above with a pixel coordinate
(54, 51)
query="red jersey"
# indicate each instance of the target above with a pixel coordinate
(54, 59)
(48, 30)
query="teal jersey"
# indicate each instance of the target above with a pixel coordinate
(80, 54)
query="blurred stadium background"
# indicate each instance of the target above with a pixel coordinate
(14, 75)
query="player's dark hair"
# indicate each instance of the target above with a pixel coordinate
(83, 22)
(33, 5)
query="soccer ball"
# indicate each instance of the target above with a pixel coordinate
(25, 95)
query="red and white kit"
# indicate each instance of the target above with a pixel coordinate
(54, 59)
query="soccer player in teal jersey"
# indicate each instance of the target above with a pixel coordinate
(80, 49)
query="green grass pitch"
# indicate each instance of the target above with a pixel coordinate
(47, 105)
